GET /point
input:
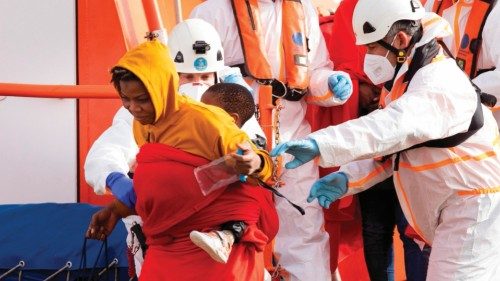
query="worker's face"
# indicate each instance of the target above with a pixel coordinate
(136, 100)
(201, 78)
(400, 41)
(379, 50)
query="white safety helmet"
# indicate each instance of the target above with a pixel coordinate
(372, 19)
(195, 47)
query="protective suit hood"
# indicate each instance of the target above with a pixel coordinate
(434, 27)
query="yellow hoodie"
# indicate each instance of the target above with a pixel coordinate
(181, 122)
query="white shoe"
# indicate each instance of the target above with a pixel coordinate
(217, 244)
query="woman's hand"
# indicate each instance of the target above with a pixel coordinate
(248, 162)
(104, 221)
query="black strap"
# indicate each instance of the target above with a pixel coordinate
(280, 89)
(423, 56)
(259, 141)
(83, 261)
(237, 228)
(277, 193)
(137, 230)
(477, 122)
(483, 70)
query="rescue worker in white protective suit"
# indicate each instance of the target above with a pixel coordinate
(302, 244)
(196, 48)
(467, 17)
(443, 145)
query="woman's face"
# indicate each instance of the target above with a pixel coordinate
(202, 78)
(136, 100)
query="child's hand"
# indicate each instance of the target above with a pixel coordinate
(248, 162)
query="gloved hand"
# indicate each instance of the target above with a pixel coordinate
(237, 78)
(340, 85)
(328, 189)
(122, 188)
(303, 151)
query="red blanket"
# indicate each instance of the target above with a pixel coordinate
(170, 202)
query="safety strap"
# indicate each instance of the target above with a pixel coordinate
(294, 44)
(277, 193)
(476, 123)
(137, 230)
(470, 45)
(83, 261)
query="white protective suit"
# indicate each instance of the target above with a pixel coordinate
(489, 55)
(449, 195)
(302, 244)
(113, 151)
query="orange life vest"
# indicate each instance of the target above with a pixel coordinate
(293, 80)
(293, 37)
(439, 5)
(470, 43)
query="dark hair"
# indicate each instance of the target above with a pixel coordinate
(234, 98)
(121, 74)
(410, 27)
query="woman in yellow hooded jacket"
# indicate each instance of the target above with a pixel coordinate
(177, 134)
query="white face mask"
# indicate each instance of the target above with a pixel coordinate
(193, 90)
(378, 68)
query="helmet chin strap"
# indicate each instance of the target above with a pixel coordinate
(401, 56)
(400, 59)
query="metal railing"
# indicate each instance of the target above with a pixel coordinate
(58, 91)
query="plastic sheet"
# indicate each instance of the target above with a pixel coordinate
(215, 175)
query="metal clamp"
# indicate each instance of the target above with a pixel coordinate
(21, 264)
(110, 265)
(68, 265)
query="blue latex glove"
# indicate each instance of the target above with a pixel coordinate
(243, 178)
(328, 189)
(237, 79)
(340, 85)
(303, 151)
(122, 188)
